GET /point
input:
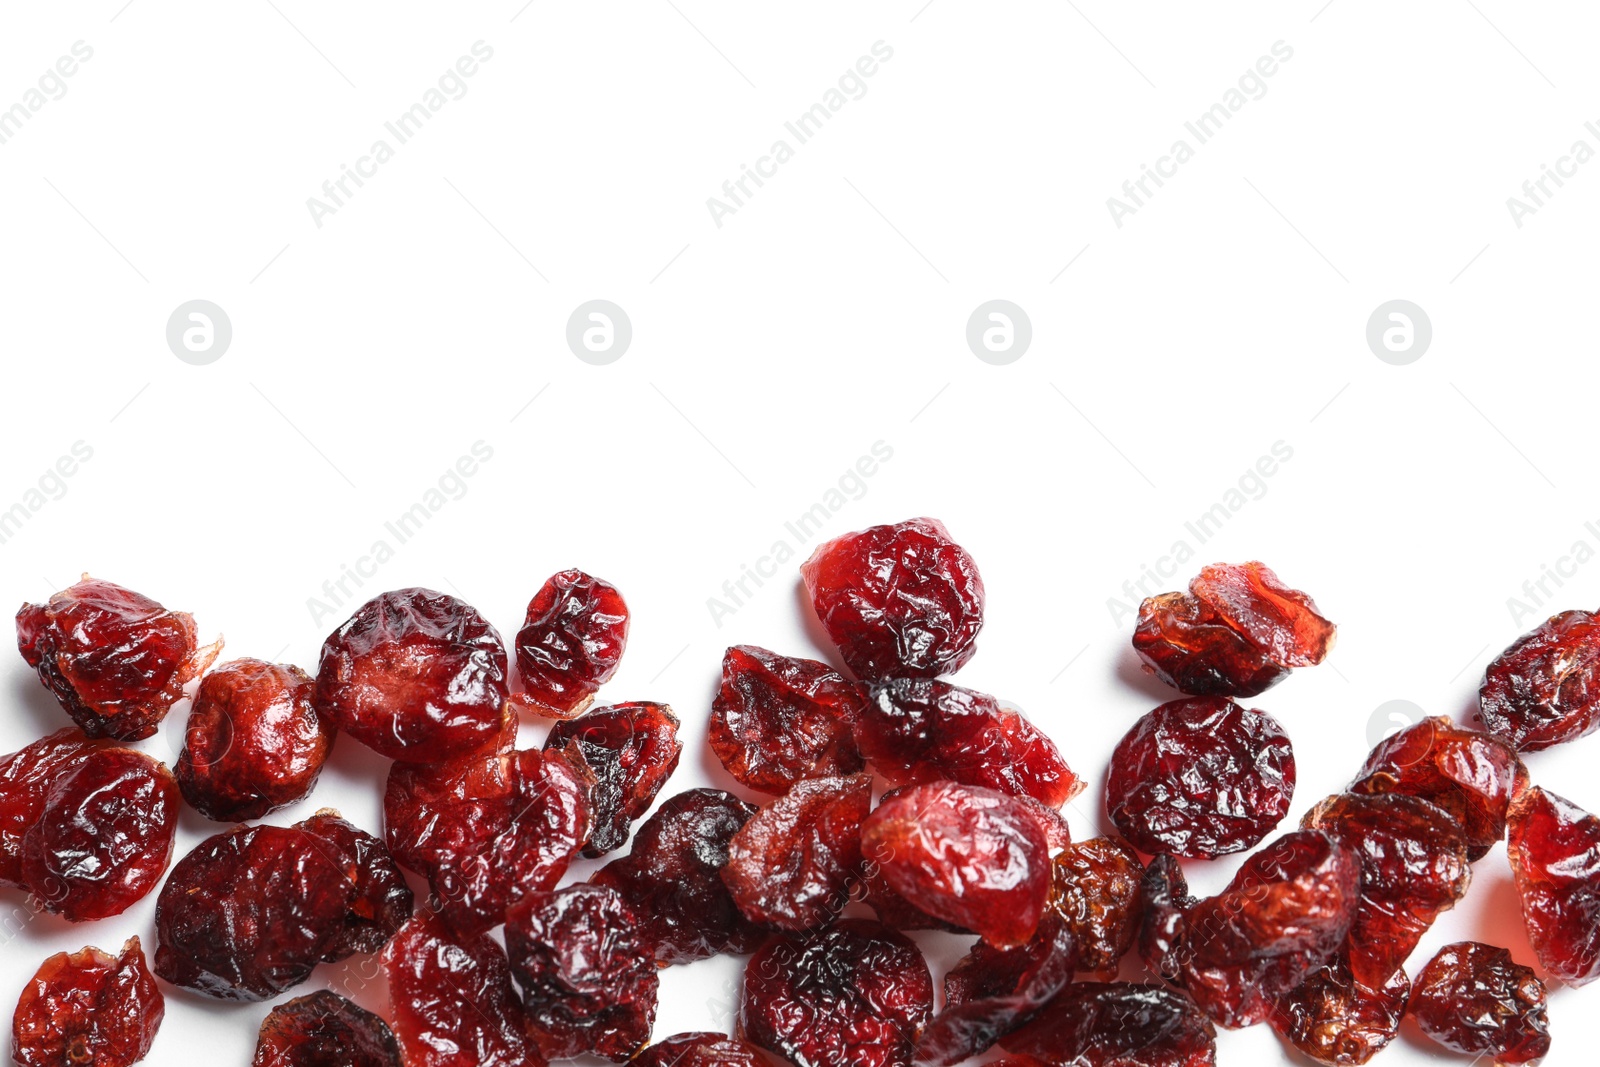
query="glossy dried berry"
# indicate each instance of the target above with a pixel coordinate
(631, 749)
(856, 994)
(1335, 1019)
(25, 777)
(115, 660)
(254, 741)
(380, 899)
(898, 601)
(88, 1008)
(894, 910)
(1545, 688)
(1237, 632)
(1554, 847)
(792, 865)
(1200, 778)
(777, 720)
(1164, 904)
(700, 1050)
(969, 856)
(323, 1029)
(589, 980)
(104, 835)
(1094, 888)
(415, 675)
(1117, 1024)
(570, 643)
(1472, 998)
(435, 813)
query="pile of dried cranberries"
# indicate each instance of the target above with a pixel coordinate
(892, 800)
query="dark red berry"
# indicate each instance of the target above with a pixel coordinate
(1118, 1024)
(1554, 847)
(25, 777)
(777, 719)
(1164, 904)
(380, 900)
(570, 643)
(631, 750)
(1545, 688)
(1335, 1019)
(1094, 888)
(1472, 998)
(323, 1029)
(88, 1008)
(700, 1050)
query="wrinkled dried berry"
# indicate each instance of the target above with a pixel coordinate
(898, 601)
(88, 1008)
(380, 900)
(104, 835)
(854, 995)
(323, 1029)
(700, 1050)
(588, 978)
(791, 866)
(1164, 903)
(254, 741)
(1472, 998)
(969, 856)
(1201, 778)
(1554, 847)
(1545, 688)
(777, 719)
(1117, 1024)
(1335, 1019)
(436, 813)
(415, 675)
(115, 660)
(570, 643)
(1094, 888)
(631, 749)
(25, 777)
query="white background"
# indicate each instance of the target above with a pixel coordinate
(827, 314)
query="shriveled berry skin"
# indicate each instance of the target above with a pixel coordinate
(777, 719)
(589, 981)
(323, 1029)
(1334, 1018)
(1094, 888)
(380, 900)
(451, 1001)
(856, 994)
(631, 749)
(1554, 847)
(115, 660)
(791, 866)
(25, 777)
(434, 813)
(415, 675)
(923, 730)
(1200, 778)
(88, 1008)
(570, 643)
(1545, 688)
(700, 1050)
(1472, 998)
(1470, 775)
(254, 741)
(672, 878)
(104, 835)
(1164, 904)
(1118, 1024)
(898, 601)
(1237, 632)
(969, 856)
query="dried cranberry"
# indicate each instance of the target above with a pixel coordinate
(699, 1050)
(115, 660)
(1335, 1019)
(791, 866)
(970, 856)
(434, 813)
(588, 977)
(104, 835)
(1472, 998)
(894, 910)
(1094, 888)
(1553, 847)
(570, 643)
(380, 901)
(415, 675)
(1545, 688)
(856, 994)
(777, 719)
(899, 601)
(25, 777)
(1118, 1024)
(88, 1008)
(1200, 777)
(631, 749)
(323, 1029)
(1164, 903)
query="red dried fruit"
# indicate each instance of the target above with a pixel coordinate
(777, 720)
(380, 900)
(88, 1008)
(922, 730)
(1554, 847)
(451, 999)
(435, 813)
(672, 878)
(588, 978)
(631, 749)
(1237, 632)
(700, 1050)
(854, 995)
(1200, 777)
(115, 660)
(969, 856)
(254, 741)
(1472, 998)
(1164, 903)
(894, 910)
(1094, 888)
(570, 643)
(415, 675)
(791, 866)
(1117, 1024)
(323, 1029)
(25, 777)
(1470, 775)
(104, 835)
(898, 601)
(1335, 1019)
(1545, 688)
